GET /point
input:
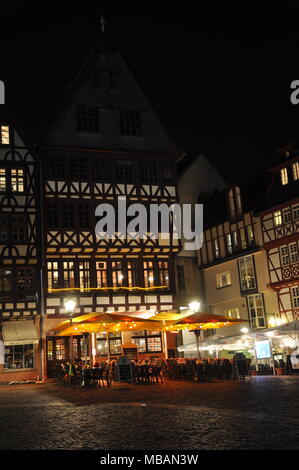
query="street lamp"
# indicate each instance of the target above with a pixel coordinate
(70, 305)
(244, 330)
(194, 306)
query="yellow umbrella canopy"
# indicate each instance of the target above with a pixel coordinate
(202, 320)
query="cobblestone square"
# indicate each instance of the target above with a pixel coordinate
(259, 414)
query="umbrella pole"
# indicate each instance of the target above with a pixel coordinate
(108, 347)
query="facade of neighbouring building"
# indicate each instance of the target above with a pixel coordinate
(280, 230)
(20, 254)
(106, 143)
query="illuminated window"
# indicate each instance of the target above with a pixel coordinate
(295, 168)
(130, 123)
(3, 183)
(216, 248)
(50, 350)
(148, 269)
(4, 131)
(53, 278)
(256, 311)
(232, 312)
(284, 176)
(295, 211)
(235, 240)
(60, 349)
(19, 356)
(17, 180)
(132, 270)
(163, 273)
(68, 273)
(147, 341)
(101, 269)
(277, 218)
(246, 270)
(243, 239)
(295, 296)
(250, 235)
(229, 244)
(117, 274)
(114, 344)
(223, 279)
(84, 275)
(284, 255)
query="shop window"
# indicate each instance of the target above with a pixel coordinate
(223, 280)
(4, 134)
(101, 272)
(60, 351)
(19, 356)
(147, 341)
(114, 344)
(88, 119)
(284, 176)
(256, 311)
(130, 123)
(247, 274)
(50, 350)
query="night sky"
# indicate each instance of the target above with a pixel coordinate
(219, 80)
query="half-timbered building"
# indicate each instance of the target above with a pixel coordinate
(105, 143)
(280, 229)
(19, 253)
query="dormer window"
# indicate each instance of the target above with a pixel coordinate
(284, 176)
(234, 202)
(4, 131)
(295, 168)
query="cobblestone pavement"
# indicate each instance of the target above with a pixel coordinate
(258, 414)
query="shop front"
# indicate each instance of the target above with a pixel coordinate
(19, 351)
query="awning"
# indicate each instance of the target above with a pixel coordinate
(21, 332)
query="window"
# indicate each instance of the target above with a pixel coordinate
(293, 249)
(56, 167)
(295, 296)
(124, 170)
(84, 275)
(232, 312)
(246, 270)
(229, 245)
(295, 168)
(114, 344)
(13, 228)
(243, 239)
(53, 277)
(148, 172)
(130, 123)
(4, 131)
(68, 216)
(256, 311)
(19, 356)
(60, 349)
(88, 119)
(235, 240)
(163, 273)
(78, 167)
(147, 341)
(277, 218)
(234, 202)
(295, 211)
(216, 248)
(17, 180)
(83, 214)
(117, 274)
(6, 280)
(132, 270)
(101, 271)
(68, 273)
(168, 172)
(250, 235)
(53, 215)
(25, 283)
(181, 277)
(284, 176)
(284, 255)
(103, 169)
(148, 270)
(286, 214)
(3, 180)
(223, 280)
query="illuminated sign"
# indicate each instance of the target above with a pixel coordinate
(263, 349)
